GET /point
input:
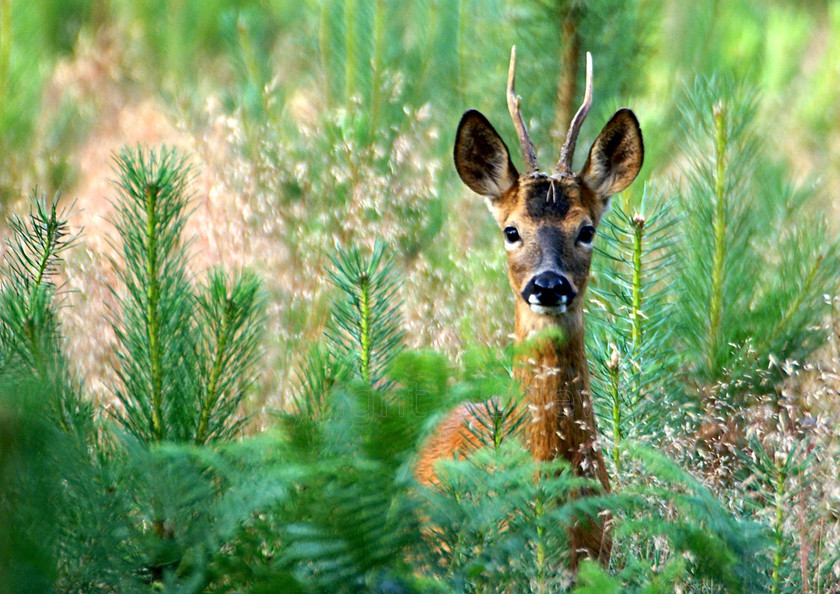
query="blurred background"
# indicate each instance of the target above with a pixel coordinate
(312, 125)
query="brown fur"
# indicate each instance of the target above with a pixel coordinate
(548, 213)
(452, 436)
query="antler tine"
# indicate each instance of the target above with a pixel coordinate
(513, 106)
(564, 165)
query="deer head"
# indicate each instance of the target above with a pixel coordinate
(548, 221)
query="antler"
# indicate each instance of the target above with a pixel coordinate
(564, 165)
(513, 106)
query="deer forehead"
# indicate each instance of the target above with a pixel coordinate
(558, 202)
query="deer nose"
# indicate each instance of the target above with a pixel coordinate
(549, 289)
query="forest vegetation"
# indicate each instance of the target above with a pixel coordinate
(242, 283)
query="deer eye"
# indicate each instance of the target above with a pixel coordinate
(586, 234)
(511, 235)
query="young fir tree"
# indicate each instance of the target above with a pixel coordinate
(363, 335)
(630, 314)
(40, 401)
(90, 508)
(57, 502)
(186, 355)
(31, 343)
(365, 325)
(756, 255)
(353, 523)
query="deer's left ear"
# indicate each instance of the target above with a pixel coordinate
(616, 156)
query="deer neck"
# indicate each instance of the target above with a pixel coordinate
(553, 374)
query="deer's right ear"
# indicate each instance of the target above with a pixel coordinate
(482, 158)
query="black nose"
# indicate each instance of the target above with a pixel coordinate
(549, 289)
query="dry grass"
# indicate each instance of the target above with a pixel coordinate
(223, 229)
(242, 218)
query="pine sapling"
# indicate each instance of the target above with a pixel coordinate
(756, 255)
(186, 355)
(232, 316)
(631, 337)
(31, 342)
(365, 323)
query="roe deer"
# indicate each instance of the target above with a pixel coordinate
(548, 223)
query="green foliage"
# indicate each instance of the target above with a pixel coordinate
(34, 457)
(186, 357)
(29, 323)
(787, 467)
(329, 504)
(231, 315)
(33, 36)
(128, 518)
(46, 423)
(315, 379)
(334, 127)
(91, 507)
(363, 334)
(353, 520)
(741, 230)
(493, 526)
(729, 277)
(365, 325)
(248, 36)
(672, 533)
(616, 34)
(496, 528)
(705, 543)
(19, 93)
(158, 350)
(189, 502)
(358, 41)
(31, 344)
(631, 319)
(176, 39)
(594, 580)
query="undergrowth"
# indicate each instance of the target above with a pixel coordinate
(712, 333)
(166, 495)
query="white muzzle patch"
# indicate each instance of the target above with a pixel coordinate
(546, 310)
